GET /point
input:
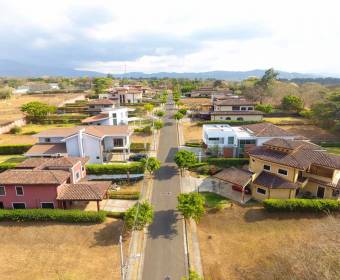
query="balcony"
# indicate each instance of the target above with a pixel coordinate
(302, 181)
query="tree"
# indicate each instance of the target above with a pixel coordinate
(193, 276)
(184, 159)
(158, 124)
(217, 83)
(102, 84)
(138, 216)
(151, 164)
(183, 111)
(292, 103)
(262, 86)
(265, 108)
(6, 93)
(160, 113)
(178, 116)
(36, 110)
(148, 107)
(191, 205)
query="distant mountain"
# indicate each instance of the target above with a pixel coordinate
(9, 68)
(220, 75)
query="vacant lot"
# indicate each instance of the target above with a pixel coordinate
(287, 120)
(141, 138)
(10, 109)
(249, 243)
(312, 132)
(58, 251)
(25, 136)
(192, 132)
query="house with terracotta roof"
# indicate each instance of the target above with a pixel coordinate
(49, 183)
(284, 169)
(109, 116)
(126, 94)
(98, 143)
(235, 141)
(96, 106)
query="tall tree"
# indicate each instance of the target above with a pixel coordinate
(138, 216)
(184, 159)
(262, 87)
(191, 205)
(102, 84)
(37, 111)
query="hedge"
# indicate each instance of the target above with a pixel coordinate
(301, 205)
(193, 144)
(139, 147)
(7, 165)
(116, 215)
(330, 144)
(227, 162)
(232, 123)
(116, 168)
(14, 149)
(56, 215)
(127, 196)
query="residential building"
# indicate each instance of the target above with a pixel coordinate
(49, 183)
(96, 106)
(124, 95)
(285, 169)
(235, 141)
(108, 116)
(99, 143)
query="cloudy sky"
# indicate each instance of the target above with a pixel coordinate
(178, 35)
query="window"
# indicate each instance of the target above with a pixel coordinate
(236, 108)
(243, 108)
(2, 191)
(118, 142)
(250, 108)
(230, 140)
(47, 140)
(261, 191)
(239, 119)
(47, 205)
(266, 167)
(82, 168)
(213, 139)
(77, 175)
(282, 171)
(19, 191)
(228, 118)
(19, 205)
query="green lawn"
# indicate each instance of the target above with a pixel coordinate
(212, 200)
(11, 158)
(333, 150)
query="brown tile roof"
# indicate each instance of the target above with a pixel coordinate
(292, 144)
(328, 184)
(254, 112)
(49, 163)
(103, 130)
(235, 176)
(98, 117)
(47, 149)
(58, 132)
(83, 191)
(234, 102)
(273, 181)
(267, 130)
(101, 102)
(33, 177)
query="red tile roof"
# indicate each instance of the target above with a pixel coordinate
(267, 130)
(101, 102)
(98, 117)
(47, 149)
(273, 181)
(253, 112)
(235, 176)
(235, 102)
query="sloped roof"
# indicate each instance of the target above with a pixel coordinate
(235, 176)
(58, 132)
(267, 130)
(33, 177)
(101, 102)
(83, 191)
(273, 181)
(47, 149)
(99, 117)
(291, 144)
(235, 102)
(253, 112)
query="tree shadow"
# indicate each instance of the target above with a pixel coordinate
(109, 234)
(171, 154)
(166, 172)
(164, 225)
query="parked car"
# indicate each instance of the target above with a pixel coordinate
(138, 157)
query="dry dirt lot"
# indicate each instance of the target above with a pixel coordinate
(249, 243)
(141, 138)
(312, 132)
(51, 251)
(192, 132)
(10, 109)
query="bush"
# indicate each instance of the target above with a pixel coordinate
(57, 215)
(265, 108)
(138, 220)
(228, 162)
(116, 215)
(7, 165)
(183, 111)
(232, 123)
(14, 149)
(116, 168)
(194, 144)
(139, 147)
(127, 196)
(301, 205)
(15, 130)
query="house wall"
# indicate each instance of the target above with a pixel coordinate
(313, 188)
(72, 147)
(52, 139)
(274, 193)
(77, 168)
(230, 108)
(92, 149)
(256, 166)
(234, 117)
(33, 195)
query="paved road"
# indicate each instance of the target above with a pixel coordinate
(164, 253)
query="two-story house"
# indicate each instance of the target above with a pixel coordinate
(96, 142)
(109, 116)
(234, 108)
(96, 106)
(235, 141)
(49, 183)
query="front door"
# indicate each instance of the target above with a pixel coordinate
(321, 192)
(1, 205)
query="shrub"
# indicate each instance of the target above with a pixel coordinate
(265, 108)
(194, 144)
(228, 162)
(138, 220)
(127, 196)
(191, 205)
(302, 205)
(116, 215)
(57, 215)
(15, 130)
(116, 168)
(14, 149)
(7, 165)
(183, 111)
(139, 147)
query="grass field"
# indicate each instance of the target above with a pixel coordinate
(249, 243)
(333, 150)
(11, 158)
(25, 136)
(287, 120)
(192, 132)
(10, 109)
(312, 132)
(213, 200)
(51, 251)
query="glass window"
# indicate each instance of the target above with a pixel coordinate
(243, 108)
(230, 140)
(283, 172)
(250, 108)
(19, 191)
(214, 139)
(19, 205)
(236, 108)
(2, 191)
(266, 167)
(261, 191)
(239, 119)
(47, 205)
(118, 142)
(47, 140)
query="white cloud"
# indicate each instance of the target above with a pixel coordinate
(290, 35)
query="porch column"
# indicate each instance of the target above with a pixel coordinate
(242, 194)
(98, 206)
(268, 192)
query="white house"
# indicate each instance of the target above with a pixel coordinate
(96, 142)
(95, 106)
(124, 95)
(108, 116)
(234, 141)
